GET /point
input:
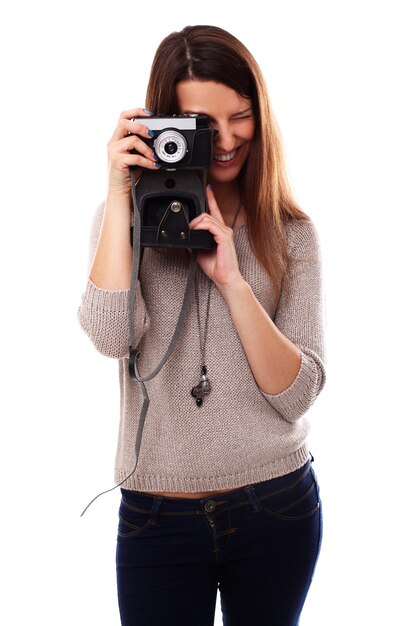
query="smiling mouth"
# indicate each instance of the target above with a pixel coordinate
(223, 158)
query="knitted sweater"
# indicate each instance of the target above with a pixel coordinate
(240, 435)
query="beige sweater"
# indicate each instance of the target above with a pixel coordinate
(240, 435)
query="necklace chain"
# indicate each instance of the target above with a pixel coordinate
(203, 338)
(204, 387)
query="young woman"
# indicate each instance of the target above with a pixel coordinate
(224, 493)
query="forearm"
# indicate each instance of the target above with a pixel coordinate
(273, 359)
(112, 263)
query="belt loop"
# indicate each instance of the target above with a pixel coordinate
(250, 492)
(154, 511)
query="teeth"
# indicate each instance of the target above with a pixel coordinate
(225, 157)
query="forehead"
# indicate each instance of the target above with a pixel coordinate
(209, 97)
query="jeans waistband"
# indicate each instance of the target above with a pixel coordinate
(144, 500)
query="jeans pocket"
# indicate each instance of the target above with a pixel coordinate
(295, 501)
(132, 519)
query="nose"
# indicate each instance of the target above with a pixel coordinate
(225, 140)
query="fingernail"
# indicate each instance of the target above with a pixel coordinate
(148, 111)
(151, 133)
(209, 186)
(158, 164)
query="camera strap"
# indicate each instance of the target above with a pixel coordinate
(133, 352)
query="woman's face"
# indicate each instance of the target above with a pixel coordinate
(230, 114)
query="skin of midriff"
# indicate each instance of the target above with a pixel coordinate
(193, 494)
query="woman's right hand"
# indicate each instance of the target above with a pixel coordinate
(119, 157)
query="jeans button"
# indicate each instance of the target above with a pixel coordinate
(209, 506)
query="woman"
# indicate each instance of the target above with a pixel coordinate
(223, 493)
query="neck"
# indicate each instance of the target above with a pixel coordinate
(227, 197)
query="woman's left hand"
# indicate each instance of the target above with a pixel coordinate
(220, 264)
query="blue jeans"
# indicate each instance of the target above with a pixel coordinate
(258, 544)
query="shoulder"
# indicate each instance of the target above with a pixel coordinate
(303, 238)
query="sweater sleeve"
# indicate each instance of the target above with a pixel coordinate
(299, 316)
(103, 313)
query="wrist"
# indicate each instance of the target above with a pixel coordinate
(119, 194)
(234, 289)
(118, 201)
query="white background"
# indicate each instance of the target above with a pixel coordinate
(342, 81)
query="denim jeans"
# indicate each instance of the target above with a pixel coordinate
(257, 544)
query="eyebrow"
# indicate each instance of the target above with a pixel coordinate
(234, 114)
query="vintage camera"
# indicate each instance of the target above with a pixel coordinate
(169, 198)
(180, 141)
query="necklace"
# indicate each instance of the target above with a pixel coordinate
(204, 386)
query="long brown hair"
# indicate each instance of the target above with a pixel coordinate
(211, 53)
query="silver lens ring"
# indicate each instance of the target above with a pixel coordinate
(170, 137)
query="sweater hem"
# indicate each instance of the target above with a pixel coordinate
(280, 467)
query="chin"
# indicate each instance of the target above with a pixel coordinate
(222, 177)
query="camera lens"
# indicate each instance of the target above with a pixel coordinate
(170, 147)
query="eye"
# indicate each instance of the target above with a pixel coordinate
(247, 116)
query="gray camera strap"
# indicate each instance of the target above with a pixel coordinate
(133, 352)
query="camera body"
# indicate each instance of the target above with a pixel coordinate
(169, 198)
(180, 141)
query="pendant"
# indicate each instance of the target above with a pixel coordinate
(203, 388)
